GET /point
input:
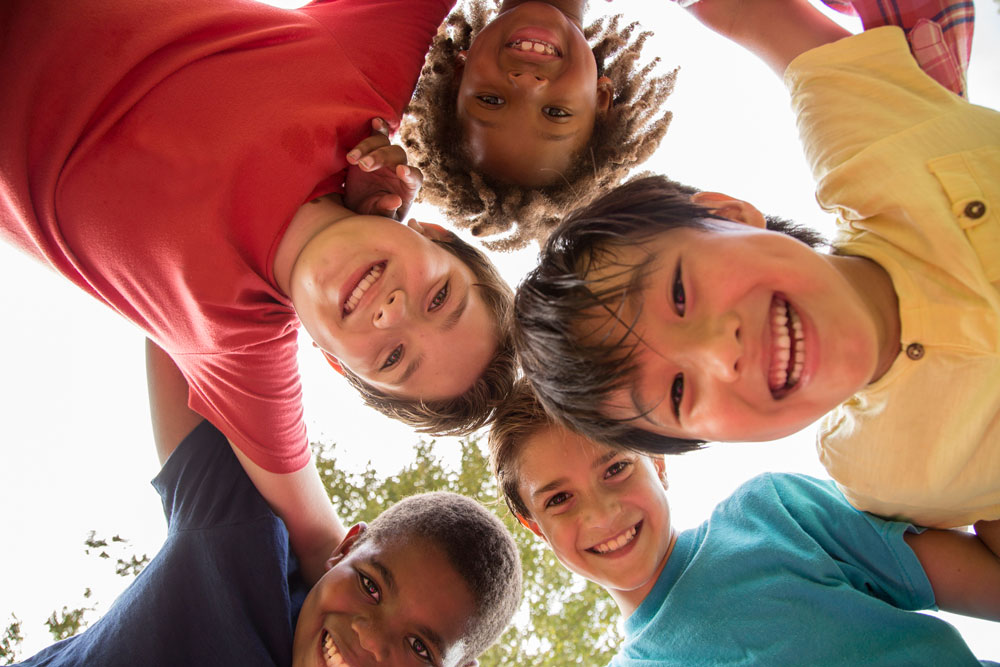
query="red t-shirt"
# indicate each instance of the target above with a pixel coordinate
(154, 152)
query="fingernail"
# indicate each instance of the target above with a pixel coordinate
(405, 170)
(354, 155)
(367, 162)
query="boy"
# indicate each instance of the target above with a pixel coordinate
(517, 117)
(433, 580)
(175, 161)
(784, 572)
(732, 332)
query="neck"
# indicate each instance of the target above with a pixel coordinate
(571, 8)
(629, 601)
(311, 218)
(874, 286)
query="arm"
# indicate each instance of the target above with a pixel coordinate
(314, 529)
(964, 573)
(989, 533)
(299, 498)
(172, 419)
(777, 31)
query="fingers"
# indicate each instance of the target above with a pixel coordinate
(370, 157)
(411, 176)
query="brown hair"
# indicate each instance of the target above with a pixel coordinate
(474, 408)
(624, 136)
(520, 417)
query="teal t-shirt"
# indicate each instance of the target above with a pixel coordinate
(786, 572)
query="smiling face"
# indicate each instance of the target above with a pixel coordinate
(529, 95)
(397, 604)
(394, 307)
(746, 334)
(603, 511)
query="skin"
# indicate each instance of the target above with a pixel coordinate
(421, 330)
(416, 618)
(704, 319)
(525, 117)
(582, 494)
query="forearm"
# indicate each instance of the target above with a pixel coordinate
(777, 31)
(988, 533)
(963, 571)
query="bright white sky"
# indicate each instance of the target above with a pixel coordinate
(75, 446)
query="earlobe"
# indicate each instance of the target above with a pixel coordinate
(605, 93)
(660, 465)
(333, 361)
(731, 208)
(530, 525)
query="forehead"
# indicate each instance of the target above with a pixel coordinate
(425, 591)
(554, 451)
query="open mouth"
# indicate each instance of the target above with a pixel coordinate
(364, 282)
(788, 348)
(617, 543)
(331, 655)
(538, 46)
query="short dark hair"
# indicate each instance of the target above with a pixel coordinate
(560, 313)
(477, 545)
(624, 137)
(519, 418)
(475, 407)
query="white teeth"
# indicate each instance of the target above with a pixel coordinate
(367, 281)
(788, 346)
(535, 46)
(330, 653)
(615, 544)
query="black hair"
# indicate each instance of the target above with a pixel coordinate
(568, 326)
(477, 546)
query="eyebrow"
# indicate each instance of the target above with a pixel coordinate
(432, 636)
(385, 573)
(556, 483)
(551, 136)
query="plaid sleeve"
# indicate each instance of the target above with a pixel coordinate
(939, 32)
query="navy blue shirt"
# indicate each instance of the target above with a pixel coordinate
(223, 590)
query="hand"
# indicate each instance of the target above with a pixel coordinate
(379, 182)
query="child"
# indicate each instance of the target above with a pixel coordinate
(784, 572)
(521, 112)
(726, 331)
(433, 580)
(175, 161)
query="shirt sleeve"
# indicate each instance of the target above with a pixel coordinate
(857, 91)
(870, 552)
(254, 396)
(386, 40)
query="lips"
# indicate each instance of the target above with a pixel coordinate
(330, 652)
(359, 286)
(534, 44)
(616, 543)
(787, 356)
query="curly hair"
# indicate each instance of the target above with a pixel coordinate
(623, 137)
(474, 408)
(574, 346)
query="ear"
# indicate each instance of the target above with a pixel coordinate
(531, 525)
(459, 63)
(660, 465)
(731, 208)
(345, 546)
(605, 93)
(430, 230)
(333, 361)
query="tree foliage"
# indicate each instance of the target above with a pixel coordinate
(563, 620)
(10, 641)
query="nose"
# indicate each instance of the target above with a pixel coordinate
(602, 511)
(529, 81)
(392, 310)
(370, 639)
(717, 347)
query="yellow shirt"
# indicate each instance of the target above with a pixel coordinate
(913, 173)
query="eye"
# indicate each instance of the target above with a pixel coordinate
(616, 468)
(420, 649)
(440, 297)
(369, 587)
(677, 394)
(557, 499)
(393, 358)
(556, 112)
(677, 292)
(490, 100)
